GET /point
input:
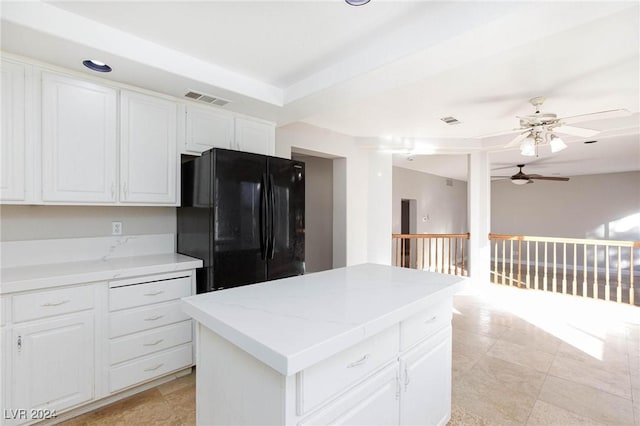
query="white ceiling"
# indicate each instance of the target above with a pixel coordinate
(388, 69)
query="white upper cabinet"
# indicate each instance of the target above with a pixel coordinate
(207, 128)
(79, 122)
(148, 149)
(12, 145)
(255, 136)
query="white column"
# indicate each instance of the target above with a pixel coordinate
(479, 217)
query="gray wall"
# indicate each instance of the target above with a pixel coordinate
(439, 208)
(318, 212)
(603, 206)
(44, 222)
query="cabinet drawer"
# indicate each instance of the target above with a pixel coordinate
(134, 320)
(150, 367)
(144, 294)
(337, 373)
(424, 324)
(147, 342)
(48, 303)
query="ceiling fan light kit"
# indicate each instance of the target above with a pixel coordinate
(540, 128)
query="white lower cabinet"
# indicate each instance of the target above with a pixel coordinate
(53, 365)
(69, 346)
(426, 384)
(399, 376)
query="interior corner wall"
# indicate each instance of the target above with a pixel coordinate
(318, 212)
(440, 208)
(605, 206)
(31, 222)
(351, 174)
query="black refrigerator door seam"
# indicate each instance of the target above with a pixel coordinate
(272, 201)
(263, 217)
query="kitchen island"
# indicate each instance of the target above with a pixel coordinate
(366, 344)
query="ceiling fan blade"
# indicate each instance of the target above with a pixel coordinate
(560, 179)
(602, 115)
(500, 177)
(515, 141)
(576, 131)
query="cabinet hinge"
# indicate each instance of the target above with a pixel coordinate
(19, 343)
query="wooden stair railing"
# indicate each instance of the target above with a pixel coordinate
(600, 269)
(444, 253)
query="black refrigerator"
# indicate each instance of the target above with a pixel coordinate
(243, 215)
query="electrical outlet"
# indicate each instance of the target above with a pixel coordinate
(116, 228)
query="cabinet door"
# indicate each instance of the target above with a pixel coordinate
(12, 169)
(148, 151)
(206, 129)
(255, 136)
(78, 141)
(53, 362)
(374, 402)
(426, 397)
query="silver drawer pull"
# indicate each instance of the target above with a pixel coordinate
(157, 317)
(55, 303)
(155, 293)
(432, 319)
(154, 368)
(154, 343)
(359, 362)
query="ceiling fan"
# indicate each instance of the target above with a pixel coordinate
(540, 128)
(521, 178)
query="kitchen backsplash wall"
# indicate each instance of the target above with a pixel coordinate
(18, 223)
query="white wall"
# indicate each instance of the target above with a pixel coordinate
(318, 212)
(366, 235)
(603, 206)
(440, 208)
(18, 223)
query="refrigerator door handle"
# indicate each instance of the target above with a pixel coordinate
(263, 217)
(272, 201)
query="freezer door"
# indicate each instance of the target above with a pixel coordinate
(238, 190)
(285, 253)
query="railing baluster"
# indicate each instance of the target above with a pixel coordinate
(410, 253)
(564, 268)
(449, 257)
(537, 267)
(519, 263)
(631, 290)
(442, 256)
(575, 269)
(528, 266)
(584, 272)
(495, 263)
(429, 253)
(455, 261)
(595, 271)
(619, 285)
(544, 277)
(504, 262)
(554, 281)
(607, 287)
(511, 262)
(423, 253)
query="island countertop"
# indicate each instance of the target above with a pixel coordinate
(292, 323)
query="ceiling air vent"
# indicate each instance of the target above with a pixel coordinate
(207, 99)
(450, 120)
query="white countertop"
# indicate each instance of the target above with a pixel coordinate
(293, 323)
(32, 277)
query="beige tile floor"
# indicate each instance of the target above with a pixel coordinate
(519, 357)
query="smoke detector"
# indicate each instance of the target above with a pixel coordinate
(207, 99)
